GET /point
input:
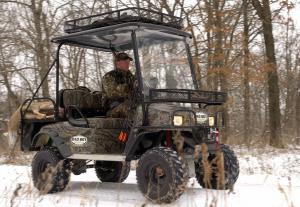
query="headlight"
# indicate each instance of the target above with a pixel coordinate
(178, 120)
(211, 121)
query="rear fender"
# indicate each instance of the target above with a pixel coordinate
(52, 139)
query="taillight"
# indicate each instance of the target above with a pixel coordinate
(214, 135)
(217, 135)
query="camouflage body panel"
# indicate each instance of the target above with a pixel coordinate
(122, 110)
(117, 85)
(102, 136)
(160, 115)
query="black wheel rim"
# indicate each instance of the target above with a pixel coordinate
(43, 175)
(42, 166)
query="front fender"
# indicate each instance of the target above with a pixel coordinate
(133, 142)
(51, 138)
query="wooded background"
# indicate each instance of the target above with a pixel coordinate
(248, 48)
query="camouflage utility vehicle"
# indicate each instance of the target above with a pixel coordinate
(172, 128)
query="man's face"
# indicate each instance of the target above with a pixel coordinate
(123, 64)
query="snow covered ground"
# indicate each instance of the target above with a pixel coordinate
(268, 178)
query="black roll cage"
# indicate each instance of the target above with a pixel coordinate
(63, 41)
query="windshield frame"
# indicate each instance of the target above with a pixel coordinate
(139, 76)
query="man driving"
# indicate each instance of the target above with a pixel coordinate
(117, 87)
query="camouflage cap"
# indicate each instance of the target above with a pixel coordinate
(122, 56)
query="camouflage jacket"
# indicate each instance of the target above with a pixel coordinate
(117, 85)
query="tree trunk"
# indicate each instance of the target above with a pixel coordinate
(208, 27)
(219, 62)
(288, 119)
(41, 56)
(273, 89)
(298, 108)
(247, 130)
(264, 12)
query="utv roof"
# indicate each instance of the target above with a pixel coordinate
(112, 30)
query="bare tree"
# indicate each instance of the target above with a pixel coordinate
(298, 104)
(246, 73)
(264, 12)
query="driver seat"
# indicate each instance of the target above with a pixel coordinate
(89, 103)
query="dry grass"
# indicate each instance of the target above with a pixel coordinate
(285, 194)
(15, 194)
(212, 197)
(3, 143)
(13, 156)
(16, 158)
(206, 166)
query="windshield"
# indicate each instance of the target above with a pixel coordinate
(164, 63)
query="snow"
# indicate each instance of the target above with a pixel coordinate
(267, 178)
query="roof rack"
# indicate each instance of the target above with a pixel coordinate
(132, 14)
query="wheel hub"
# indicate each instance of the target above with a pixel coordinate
(159, 171)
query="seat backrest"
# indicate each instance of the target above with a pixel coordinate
(87, 102)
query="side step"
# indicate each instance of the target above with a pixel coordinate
(103, 157)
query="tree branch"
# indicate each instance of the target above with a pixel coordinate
(16, 2)
(258, 7)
